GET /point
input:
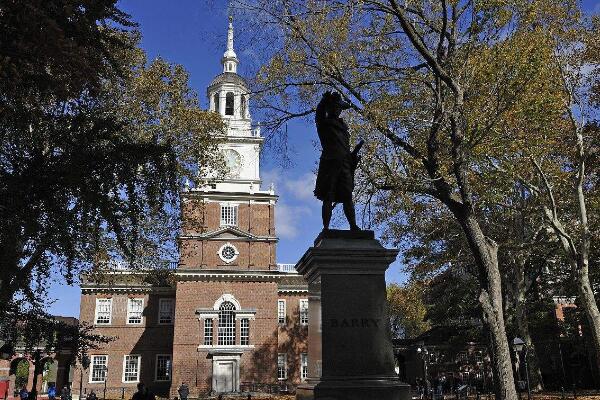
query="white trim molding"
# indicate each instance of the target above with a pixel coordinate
(226, 297)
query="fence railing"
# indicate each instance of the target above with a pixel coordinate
(121, 265)
(274, 388)
(287, 268)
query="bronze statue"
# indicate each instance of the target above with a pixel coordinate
(335, 179)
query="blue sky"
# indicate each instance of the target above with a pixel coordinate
(193, 33)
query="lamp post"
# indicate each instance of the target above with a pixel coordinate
(85, 363)
(105, 369)
(486, 365)
(424, 355)
(520, 346)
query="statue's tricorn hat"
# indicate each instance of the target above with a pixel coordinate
(336, 98)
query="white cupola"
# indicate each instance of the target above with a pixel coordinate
(229, 94)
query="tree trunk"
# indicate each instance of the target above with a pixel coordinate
(588, 301)
(36, 371)
(485, 252)
(535, 374)
(522, 322)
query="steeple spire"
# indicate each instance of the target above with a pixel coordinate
(230, 34)
(230, 60)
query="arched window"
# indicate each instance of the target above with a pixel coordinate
(226, 333)
(243, 107)
(216, 101)
(229, 103)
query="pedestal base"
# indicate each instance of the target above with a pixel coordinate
(354, 389)
(350, 353)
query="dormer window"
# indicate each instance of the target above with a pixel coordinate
(229, 103)
(216, 101)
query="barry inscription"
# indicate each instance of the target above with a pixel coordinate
(354, 323)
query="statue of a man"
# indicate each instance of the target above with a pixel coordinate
(335, 179)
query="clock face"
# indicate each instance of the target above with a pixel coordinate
(233, 161)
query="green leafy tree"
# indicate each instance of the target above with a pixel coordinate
(95, 142)
(407, 310)
(21, 374)
(441, 90)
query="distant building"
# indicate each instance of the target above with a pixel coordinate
(232, 319)
(54, 367)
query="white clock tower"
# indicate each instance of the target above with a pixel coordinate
(228, 94)
(228, 221)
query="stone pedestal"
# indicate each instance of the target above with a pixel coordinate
(350, 354)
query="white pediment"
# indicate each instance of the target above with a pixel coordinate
(229, 233)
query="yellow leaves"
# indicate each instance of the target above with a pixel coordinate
(406, 308)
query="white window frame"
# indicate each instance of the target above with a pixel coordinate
(98, 301)
(285, 372)
(170, 368)
(303, 366)
(139, 363)
(172, 310)
(281, 317)
(130, 312)
(92, 359)
(245, 334)
(303, 314)
(209, 339)
(232, 218)
(226, 333)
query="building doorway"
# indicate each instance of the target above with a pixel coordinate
(224, 376)
(226, 373)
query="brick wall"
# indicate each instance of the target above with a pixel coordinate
(147, 340)
(200, 217)
(292, 336)
(203, 254)
(193, 365)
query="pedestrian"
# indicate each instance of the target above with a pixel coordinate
(184, 391)
(141, 392)
(65, 393)
(24, 394)
(51, 392)
(150, 395)
(92, 395)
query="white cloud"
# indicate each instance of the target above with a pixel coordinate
(270, 176)
(288, 220)
(302, 188)
(294, 189)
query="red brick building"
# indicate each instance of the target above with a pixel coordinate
(231, 316)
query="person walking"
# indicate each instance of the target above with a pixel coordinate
(141, 392)
(65, 393)
(51, 392)
(184, 391)
(92, 395)
(23, 393)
